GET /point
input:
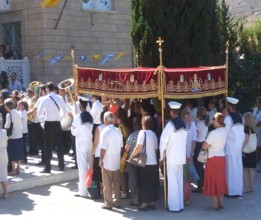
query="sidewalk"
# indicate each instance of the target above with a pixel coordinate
(31, 177)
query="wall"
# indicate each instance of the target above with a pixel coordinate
(90, 32)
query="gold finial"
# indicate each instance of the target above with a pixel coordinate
(227, 46)
(137, 59)
(72, 53)
(160, 41)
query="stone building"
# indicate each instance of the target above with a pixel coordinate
(94, 27)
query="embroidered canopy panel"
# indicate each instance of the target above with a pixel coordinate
(194, 82)
(121, 83)
(141, 83)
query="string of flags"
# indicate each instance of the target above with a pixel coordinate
(50, 3)
(40, 57)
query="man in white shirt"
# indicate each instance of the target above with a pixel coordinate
(111, 144)
(82, 130)
(14, 84)
(96, 111)
(173, 143)
(53, 108)
(233, 149)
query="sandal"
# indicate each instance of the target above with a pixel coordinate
(12, 173)
(212, 208)
(220, 206)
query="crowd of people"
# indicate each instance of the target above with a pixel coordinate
(7, 52)
(106, 134)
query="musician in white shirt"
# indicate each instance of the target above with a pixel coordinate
(53, 108)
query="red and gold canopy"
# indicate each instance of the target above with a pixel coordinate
(141, 83)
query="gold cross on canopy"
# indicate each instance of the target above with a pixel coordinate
(160, 41)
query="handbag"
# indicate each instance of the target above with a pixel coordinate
(202, 156)
(250, 146)
(94, 190)
(140, 159)
(9, 131)
(88, 177)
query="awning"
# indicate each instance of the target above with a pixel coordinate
(142, 83)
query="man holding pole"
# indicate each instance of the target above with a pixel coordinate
(173, 145)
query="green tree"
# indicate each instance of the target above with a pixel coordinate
(244, 54)
(184, 25)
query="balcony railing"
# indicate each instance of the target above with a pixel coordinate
(20, 67)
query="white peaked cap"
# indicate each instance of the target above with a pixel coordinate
(232, 100)
(174, 105)
(83, 98)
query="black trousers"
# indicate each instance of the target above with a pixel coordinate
(36, 138)
(32, 135)
(53, 135)
(148, 177)
(67, 141)
(199, 166)
(25, 150)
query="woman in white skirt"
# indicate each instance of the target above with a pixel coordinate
(3, 161)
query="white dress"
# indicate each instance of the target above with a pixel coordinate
(233, 149)
(3, 155)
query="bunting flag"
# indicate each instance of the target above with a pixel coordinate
(39, 55)
(103, 58)
(83, 59)
(46, 57)
(55, 60)
(50, 3)
(97, 57)
(119, 55)
(106, 59)
(67, 58)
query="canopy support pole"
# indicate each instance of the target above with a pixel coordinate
(161, 96)
(226, 77)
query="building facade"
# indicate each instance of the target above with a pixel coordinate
(94, 27)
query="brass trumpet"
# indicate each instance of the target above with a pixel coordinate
(66, 85)
(33, 86)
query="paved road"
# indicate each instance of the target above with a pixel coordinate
(58, 202)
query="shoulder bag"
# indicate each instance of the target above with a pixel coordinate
(202, 156)
(10, 129)
(250, 146)
(140, 159)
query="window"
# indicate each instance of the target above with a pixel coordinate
(5, 5)
(12, 37)
(97, 5)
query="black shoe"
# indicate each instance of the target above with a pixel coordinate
(134, 204)
(153, 206)
(143, 208)
(74, 167)
(77, 195)
(40, 164)
(233, 197)
(33, 153)
(46, 171)
(197, 191)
